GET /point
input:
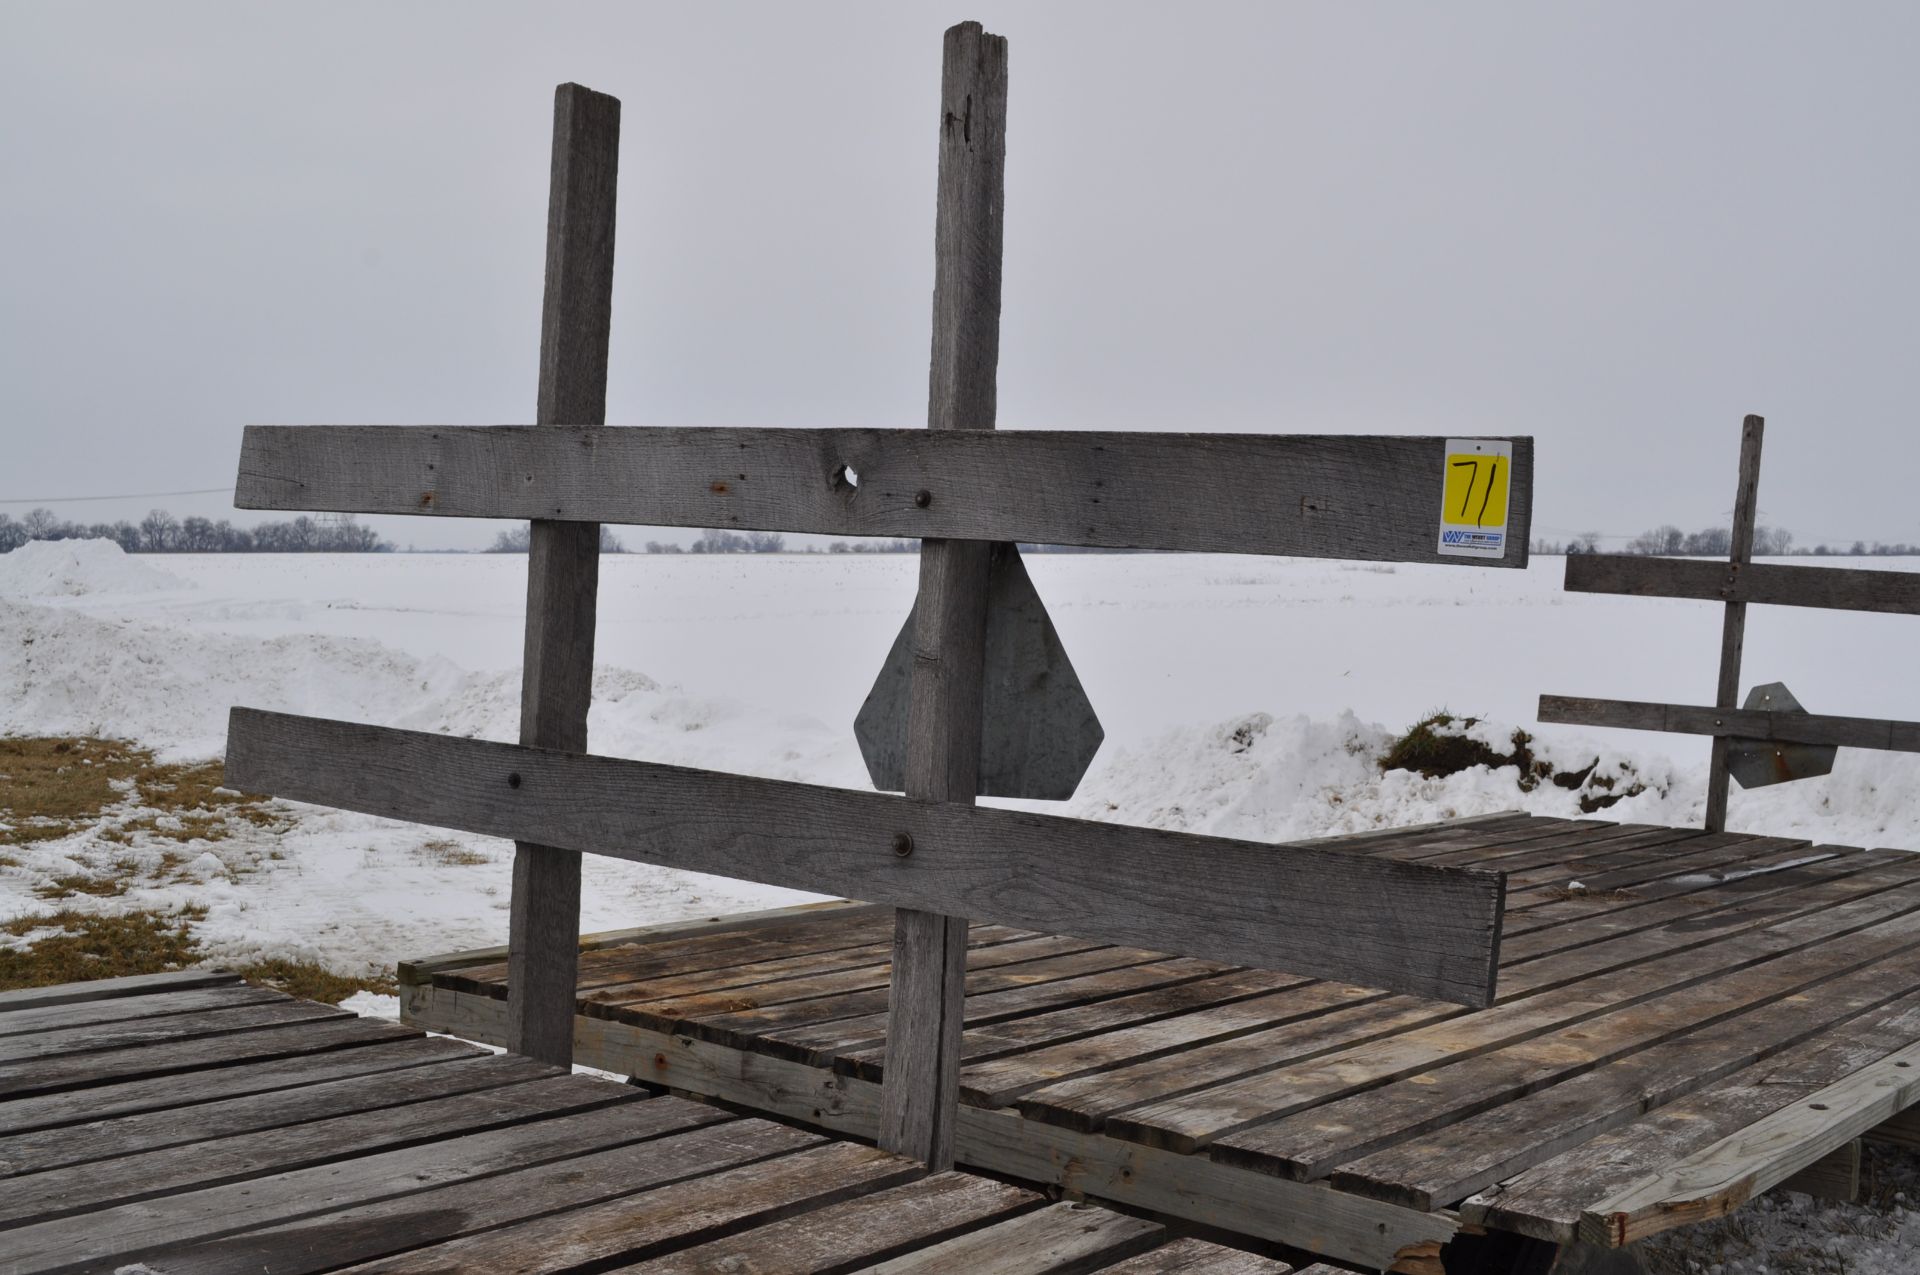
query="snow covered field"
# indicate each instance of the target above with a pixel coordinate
(1241, 696)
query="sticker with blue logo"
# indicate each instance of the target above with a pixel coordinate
(1473, 501)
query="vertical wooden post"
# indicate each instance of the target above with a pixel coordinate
(1733, 633)
(920, 1097)
(563, 560)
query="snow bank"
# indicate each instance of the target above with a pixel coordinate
(76, 568)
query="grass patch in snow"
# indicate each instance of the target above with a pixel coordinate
(86, 946)
(311, 981)
(1443, 744)
(54, 786)
(447, 853)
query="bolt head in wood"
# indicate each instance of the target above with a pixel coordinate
(903, 844)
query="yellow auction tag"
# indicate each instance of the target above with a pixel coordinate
(1477, 475)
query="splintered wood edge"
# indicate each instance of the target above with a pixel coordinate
(1717, 1179)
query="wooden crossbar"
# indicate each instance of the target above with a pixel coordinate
(1372, 498)
(1378, 922)
(1733, 723)
(1774, 584)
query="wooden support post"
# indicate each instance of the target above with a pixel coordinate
(1733, 633)
(919, 1102)
(563, 560)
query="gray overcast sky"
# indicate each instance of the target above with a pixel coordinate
(1614, 226)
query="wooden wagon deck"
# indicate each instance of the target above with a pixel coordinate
(190, 1123)
(1683, 1019)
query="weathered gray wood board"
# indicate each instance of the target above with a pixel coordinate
(1769, 583)
(563, 558)
(1802, 728)
(946, 686)
(1401, 926)
(1694, 959)
(1342, 496)
(1733, 629)
(459, 1160)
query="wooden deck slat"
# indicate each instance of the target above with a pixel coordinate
(1309, 1144)
(789, 984)
(203, 1215)
(847, 1235)
(48, 1075)
(524, 1090)
(1127, 1070)
(112, 988)
(665, 1218)
(70, 1042)
(1447, 1164)
(437, 1073)
(1060, 1238)
(121, 1009)
(1546, 1201)
(549, 1185)
(1196, 1257)
(370, 1051)
(1191, 1121)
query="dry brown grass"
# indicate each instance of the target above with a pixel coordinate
(84, 946)
(314, 982)
(450, 854)
(53, 787)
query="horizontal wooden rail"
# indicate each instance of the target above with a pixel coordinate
(1775, 584)
(1356, 497)
(1380, 923)
(1736, 723)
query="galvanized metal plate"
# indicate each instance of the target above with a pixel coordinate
(1038, 731)
(1759, 763)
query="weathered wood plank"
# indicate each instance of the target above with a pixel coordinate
(348, 1049)
(172, 1221)
(1769, 583)
(1197, 1257)
(1309, 1216)
(563, 559)
(1796, 728)
(1356, 497)
(448, 1067)
(49, 1075)
(843, 1236)
(1733, 632)
(1235, 1109)
(666, 1217)
(21, 1022)
(1060, 1238)
(1399, 926)
(112, 988)
(1902, 1130)
(1715, 1180)
(689, 929)
(1699, 1033)
(1546, 1201)
(945, 699)
(523, 1090)
(546, 1184)
(74, 1041)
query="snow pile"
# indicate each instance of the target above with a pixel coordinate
(76, 568)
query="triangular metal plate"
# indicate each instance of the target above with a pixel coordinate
(1760, 763)
(1038, 732)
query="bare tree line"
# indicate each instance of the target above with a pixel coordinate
(161, 532)
(1717, 542)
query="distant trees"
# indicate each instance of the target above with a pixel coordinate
(161, 532)
(517, 539)
(739, 542)
(1668, 541)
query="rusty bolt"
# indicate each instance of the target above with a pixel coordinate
(903, 844)
(922, 498)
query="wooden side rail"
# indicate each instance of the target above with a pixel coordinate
(1358, 497)
(1421, 930)
(1772, 584)
(1733, 723)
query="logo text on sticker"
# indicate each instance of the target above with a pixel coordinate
(1476, 477)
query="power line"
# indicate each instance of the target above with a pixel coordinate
(131, 495)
